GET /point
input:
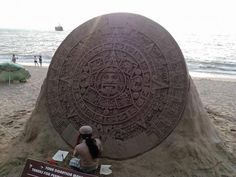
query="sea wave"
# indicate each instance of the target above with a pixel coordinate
(214, 54)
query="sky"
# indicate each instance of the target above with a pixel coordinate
(175, 15)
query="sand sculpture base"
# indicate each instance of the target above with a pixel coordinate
(192, 150)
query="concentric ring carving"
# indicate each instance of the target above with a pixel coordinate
(124, 75)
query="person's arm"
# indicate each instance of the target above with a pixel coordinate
(99, 145)
(75, 152)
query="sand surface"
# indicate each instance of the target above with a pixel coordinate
(17, 101)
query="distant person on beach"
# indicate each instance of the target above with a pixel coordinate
(35, 61)
(13, 58)
(40, 60)
(86, 152)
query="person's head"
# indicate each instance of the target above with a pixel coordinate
(85, 131)
(13, 55)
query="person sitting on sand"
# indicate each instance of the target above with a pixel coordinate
(86, 152)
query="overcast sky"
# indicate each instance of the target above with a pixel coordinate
(175, 15)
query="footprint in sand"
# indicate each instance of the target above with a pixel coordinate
(8, 123)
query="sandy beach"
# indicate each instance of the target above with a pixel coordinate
(17, 101)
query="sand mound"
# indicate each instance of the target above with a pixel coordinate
(192, 149)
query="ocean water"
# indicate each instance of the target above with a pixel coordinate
(206, 54)
(26, 44)
(209, 54)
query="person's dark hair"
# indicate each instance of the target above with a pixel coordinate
(91, 143)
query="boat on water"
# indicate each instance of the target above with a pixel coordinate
(59, 28)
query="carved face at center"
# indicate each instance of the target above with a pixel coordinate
(115, 86)
(110, 82)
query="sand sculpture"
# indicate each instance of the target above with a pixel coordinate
(126, 76)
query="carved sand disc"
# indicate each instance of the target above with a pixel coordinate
(124, 75)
